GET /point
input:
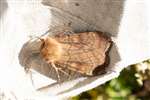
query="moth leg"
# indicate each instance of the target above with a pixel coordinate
(63, 71)
(60, 69)
(57, 69)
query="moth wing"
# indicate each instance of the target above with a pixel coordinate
(77, 66)
(83, 52)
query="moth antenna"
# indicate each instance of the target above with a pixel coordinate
(41, 39)
(37, 38)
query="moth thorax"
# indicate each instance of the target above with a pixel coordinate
(51, 51)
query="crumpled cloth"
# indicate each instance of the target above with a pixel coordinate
(127, 22)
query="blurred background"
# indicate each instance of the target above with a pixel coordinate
(132, 84)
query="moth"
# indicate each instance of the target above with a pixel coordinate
(79, 52)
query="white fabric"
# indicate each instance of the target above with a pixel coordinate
(127, 21)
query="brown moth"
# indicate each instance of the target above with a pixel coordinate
(79, 52)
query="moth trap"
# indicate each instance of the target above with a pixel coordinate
(67, 56)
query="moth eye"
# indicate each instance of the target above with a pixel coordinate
(46, 59)
(42, 45)
(68, 35)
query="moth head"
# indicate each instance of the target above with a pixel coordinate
(50, 50)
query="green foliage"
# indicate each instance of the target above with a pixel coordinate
(125, 87)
